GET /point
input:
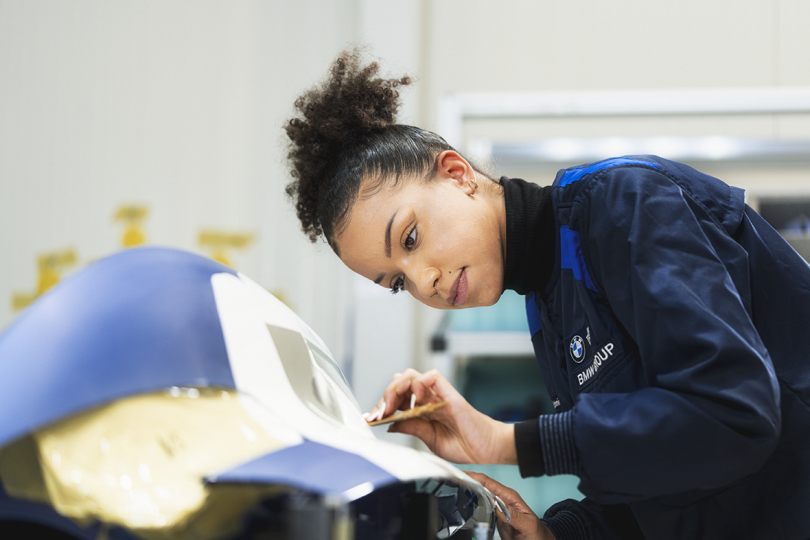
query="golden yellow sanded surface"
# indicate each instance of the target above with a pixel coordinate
(140, 463)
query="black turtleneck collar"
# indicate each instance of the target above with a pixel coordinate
(530, 237)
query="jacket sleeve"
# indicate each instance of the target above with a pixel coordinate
(587, 520)
(671, 274)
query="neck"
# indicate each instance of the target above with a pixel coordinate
(492, 192)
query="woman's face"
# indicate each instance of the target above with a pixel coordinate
(441, 240)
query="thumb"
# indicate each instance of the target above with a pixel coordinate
(418, 427)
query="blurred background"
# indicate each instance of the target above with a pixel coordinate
(125, 123)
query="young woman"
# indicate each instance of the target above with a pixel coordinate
(668, 318)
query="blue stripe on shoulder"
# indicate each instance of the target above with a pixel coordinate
(575, 174)
(533, 314)
(571, 256)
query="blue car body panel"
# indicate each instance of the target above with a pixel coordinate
(311, 466)
(135, 322)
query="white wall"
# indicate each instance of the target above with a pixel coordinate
(601, 44)
(177, 105)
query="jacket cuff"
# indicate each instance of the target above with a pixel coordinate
(557, 439)
(529, 450)
(567, 526)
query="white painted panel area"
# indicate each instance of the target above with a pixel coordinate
(245, 310)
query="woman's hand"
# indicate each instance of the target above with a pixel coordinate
(456, 432)
(524, 524)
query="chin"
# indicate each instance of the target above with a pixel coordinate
(490, 300)
(489, 294)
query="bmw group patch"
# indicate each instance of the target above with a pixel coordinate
(577, 349)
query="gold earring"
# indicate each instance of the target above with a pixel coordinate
(474, 182)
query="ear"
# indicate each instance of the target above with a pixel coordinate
(451, 166)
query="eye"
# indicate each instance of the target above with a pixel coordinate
(410, 240)
(398, 285)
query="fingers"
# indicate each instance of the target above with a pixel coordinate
(508, 495)
(376, 413)
(435, 383)
(410, 388)
(413, 396)
(488, 483)
(496, 488)
(522, 517)
(524, 524)
(505, 493)
(395, 394)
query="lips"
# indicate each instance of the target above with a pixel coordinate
(458, 294)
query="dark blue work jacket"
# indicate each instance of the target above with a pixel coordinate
(675, 329)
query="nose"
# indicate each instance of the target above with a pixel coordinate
(427, 282)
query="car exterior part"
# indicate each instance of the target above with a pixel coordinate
(157, 394)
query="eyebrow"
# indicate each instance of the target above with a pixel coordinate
(388, 236)
(379, 279)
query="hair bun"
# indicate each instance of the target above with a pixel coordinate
(351, 104)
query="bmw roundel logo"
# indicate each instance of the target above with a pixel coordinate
(577, 349)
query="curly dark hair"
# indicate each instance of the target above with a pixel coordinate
(345, 135)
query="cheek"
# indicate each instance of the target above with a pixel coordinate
(453, 237)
